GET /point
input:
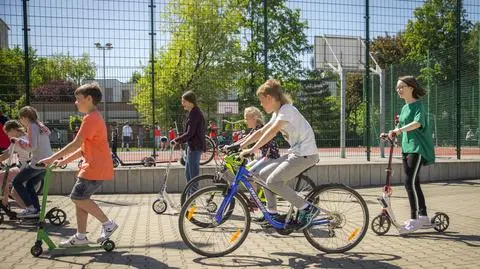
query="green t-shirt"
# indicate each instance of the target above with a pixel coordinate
(419, 140)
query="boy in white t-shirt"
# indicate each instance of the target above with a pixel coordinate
(302, 153)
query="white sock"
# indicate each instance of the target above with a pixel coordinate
(108, 222)
(81, 236)
(272, 211)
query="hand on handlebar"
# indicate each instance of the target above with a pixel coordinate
(246, 153)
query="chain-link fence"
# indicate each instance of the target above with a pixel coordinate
(339, 60)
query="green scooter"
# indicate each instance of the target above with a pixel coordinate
(42, 235)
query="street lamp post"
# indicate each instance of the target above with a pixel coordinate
(107, 46)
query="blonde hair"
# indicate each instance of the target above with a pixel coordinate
(255, 112)
(273, 88)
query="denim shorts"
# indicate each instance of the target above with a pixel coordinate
(84, 188)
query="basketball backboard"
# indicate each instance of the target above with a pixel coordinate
(347, 52)
(227, 107)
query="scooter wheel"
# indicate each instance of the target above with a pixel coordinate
(36, 250)
(440, 221)
(116, 163)
(108, 245)
(56, 216)
(159, 206)
(63, 166)
(381, 224)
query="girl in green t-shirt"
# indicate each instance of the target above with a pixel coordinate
(417, 147)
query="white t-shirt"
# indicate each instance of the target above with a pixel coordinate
(22, 156)
(296, 131)
(127, 130)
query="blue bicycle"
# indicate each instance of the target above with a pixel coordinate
(225, 217)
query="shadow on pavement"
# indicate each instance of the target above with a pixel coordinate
(296, 260)
(468, 239)
(341, 260)
(239, 261)
(121, 258)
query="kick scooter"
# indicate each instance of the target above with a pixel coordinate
(42, 235)
(55, 215)
(381, 223)
(164, 199)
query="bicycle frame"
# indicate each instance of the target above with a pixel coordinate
(244, 176)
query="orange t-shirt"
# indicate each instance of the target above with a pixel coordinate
(96, 153)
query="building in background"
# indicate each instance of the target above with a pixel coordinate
(3, 34)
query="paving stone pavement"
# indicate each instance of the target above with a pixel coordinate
(147, 240)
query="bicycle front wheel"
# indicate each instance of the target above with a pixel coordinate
(200, 182)
(213, 240)
(347, 214)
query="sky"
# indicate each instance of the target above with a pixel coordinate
(72, 27)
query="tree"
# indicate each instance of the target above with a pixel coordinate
(388, 50)
(430, 37)
(203, 56)
(320, 108)
(136, 76)
(286, 40)
(65, 67)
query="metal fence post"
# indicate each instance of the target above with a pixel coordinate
(458, 74)
(366, 84)
(152, 62)
(26, 53)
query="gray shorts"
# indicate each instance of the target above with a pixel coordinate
(84, 188)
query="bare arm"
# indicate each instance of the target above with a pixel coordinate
(72, 147)
(269, 134)
(407, 128)
(77, 154)
(255, 136)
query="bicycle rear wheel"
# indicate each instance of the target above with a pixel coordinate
(347, 213)
(213, 240)
(208, 155)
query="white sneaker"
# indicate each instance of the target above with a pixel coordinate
(107, 231)
(28, 213)
(73, 241)
(412, 225)
(424, 222)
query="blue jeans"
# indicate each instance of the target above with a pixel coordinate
(192, 166)
(25, 182)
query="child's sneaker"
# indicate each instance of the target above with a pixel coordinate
(107, 231)
(410, 225)
(306, 216)
(28, 213)
(74, 241)
(424, 222)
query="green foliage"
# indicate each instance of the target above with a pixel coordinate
(320, 108)
(286, 41)
(430, 37)
(74, 121)
(65, 67)
(388, 50)
(203, 56)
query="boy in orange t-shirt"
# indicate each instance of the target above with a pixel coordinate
(91, 142)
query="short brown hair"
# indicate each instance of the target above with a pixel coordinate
(13, 125)
(28, 112)
(190, 97)
(273, 88)
(90, 89)
(411, 81)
